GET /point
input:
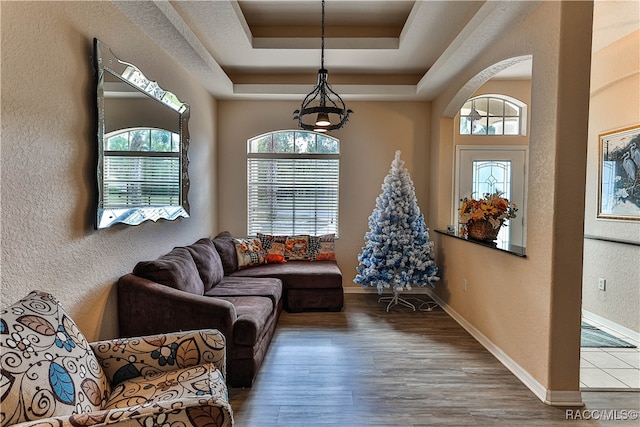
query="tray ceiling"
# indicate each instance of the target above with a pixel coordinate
(374, 49)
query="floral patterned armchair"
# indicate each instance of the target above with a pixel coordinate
(51, 376)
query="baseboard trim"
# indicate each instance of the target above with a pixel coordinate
(550, 397)
(563, 398)
(630, 333)
(371, 290)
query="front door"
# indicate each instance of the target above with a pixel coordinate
(487, 169)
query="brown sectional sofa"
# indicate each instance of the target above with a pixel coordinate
(307, 285)
(199, 287)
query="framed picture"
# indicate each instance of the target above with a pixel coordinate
(619, 174)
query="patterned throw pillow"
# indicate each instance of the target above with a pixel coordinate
(48, 368)
(250, 252)
(322, 248)
(297, 248)
(274, 247)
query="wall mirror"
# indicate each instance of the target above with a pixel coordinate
(143, 140)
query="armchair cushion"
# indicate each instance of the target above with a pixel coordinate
(48, 367)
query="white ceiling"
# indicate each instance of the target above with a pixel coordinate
(374, 49)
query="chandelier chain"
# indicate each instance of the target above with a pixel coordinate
(322, 40)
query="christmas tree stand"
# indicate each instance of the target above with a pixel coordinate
(396, 300)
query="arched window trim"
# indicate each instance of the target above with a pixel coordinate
(521, 105)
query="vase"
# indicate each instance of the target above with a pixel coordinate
(482, 230)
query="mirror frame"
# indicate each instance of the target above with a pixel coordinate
(105, 61)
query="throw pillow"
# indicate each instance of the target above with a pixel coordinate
(273, 247)
(322, 248)
(249, 252)
(297, 248)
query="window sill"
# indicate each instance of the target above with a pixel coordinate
(518, 251)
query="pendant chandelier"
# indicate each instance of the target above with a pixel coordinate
(322, 103)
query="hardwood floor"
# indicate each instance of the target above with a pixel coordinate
(367, 367)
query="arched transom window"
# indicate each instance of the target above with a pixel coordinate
(493, 115)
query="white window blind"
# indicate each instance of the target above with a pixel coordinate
(141, 167)
(292, 193)
(133, 181)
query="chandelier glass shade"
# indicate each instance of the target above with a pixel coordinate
(322, 109)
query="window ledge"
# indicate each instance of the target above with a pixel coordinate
(518, 251)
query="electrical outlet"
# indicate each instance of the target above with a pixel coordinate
(464, 285)
(602, 284)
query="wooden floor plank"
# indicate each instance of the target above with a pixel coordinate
(366, 367)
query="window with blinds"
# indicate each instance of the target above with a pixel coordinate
(293, 183)
(141, 168)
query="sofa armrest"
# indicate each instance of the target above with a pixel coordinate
(147, 308)
(126, 358)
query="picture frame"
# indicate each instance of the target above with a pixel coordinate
(619, 174)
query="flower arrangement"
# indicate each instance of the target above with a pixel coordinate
(492, 207)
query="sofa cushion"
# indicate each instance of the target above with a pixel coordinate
(253, 314)
(297, 247)
(231, 286)
(207, 261)
(299, 274)
(175, 269)
(48, 368)
(249, 252)
(227, 251)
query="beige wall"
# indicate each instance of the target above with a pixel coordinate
(48, 159)
(615, 104)
(528, 308)
(368, 143)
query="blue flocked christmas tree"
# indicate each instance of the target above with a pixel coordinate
(397, 252)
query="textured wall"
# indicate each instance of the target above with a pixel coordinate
(528, 308)
(368, 143)
(48, 159)
(615, 104)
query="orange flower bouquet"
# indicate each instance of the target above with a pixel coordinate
(492, 207)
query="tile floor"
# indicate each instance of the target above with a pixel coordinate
(610, 368)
